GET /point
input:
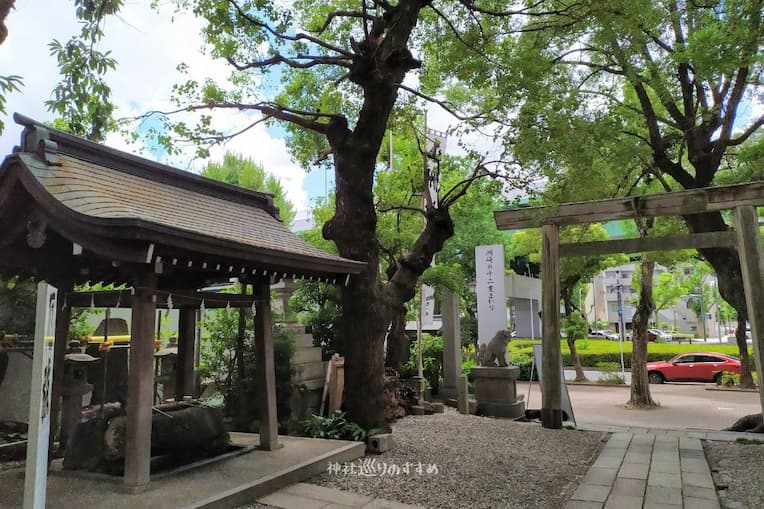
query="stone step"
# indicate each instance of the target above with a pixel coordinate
(306, 354)
(294, 328)
(303, 340)
(309, 371)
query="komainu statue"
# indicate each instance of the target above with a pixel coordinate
(494, 353)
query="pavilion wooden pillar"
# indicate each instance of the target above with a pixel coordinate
(551, 405)
(184, 381)
(750, 252)
(63, 317)
(140, 383)
(265, 367)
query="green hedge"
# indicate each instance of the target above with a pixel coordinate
(593, 351)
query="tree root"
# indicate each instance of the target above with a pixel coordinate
(753, 423)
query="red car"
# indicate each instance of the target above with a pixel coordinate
(692, 367)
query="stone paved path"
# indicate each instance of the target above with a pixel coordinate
(651, 470)
(310, 496)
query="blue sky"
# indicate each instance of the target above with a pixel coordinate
(148, 46)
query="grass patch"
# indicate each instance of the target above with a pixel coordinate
(749, 441)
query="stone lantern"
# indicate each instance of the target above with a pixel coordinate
(74, 392)
(166, 368)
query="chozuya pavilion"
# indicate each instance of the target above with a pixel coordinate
(73, 211)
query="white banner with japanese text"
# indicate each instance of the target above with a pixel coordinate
(491, 301)
(428, 305)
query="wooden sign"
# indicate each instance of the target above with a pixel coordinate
(36, 478)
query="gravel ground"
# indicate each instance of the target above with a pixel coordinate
(740, 468)
(481, 463)
(9, 465)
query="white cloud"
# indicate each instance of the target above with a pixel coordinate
(148, 46)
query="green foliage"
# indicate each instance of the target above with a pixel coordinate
(18, 298)
(318, 306)
(575, 326)
(608, 351)
(432, 360)
(244, 172)
(749, 441)
(83, 99)
(8, 84)
(218, 363)
(729, 379)
(336, 427)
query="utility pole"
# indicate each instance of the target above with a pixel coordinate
(621, 326)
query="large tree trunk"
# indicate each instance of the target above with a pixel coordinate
(365, 316)
(5, 8)
(398, 343)
(746, 377)
(640, 385)
(380, 66)
(566, 299)
(726, 263)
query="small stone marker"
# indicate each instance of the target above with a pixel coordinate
(417, 409)
(380, 443)
(462, 395)
(438, 407)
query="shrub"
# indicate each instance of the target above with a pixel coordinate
(432, 361)
(729, 379)
(608, 351)
(335, 426)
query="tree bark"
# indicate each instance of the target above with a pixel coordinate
(640, 385)
(5, 8)
(566, 299)
(746, 376)
(398, 343)
(726, 263)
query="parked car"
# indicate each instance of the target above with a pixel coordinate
(653, 334)
(603, 334)
(692, 367)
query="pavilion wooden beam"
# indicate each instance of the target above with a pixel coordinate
(140, 384)
(265, 366)
(551, 396)
(752, 264)
(677, 203)
(666, 243)
(212, 300)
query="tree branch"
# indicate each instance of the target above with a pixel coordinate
(300, 36)
(293, 62)
(747, 133)
(443, 104)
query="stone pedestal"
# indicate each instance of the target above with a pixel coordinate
(496, 391)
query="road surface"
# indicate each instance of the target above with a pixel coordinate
(682, 406)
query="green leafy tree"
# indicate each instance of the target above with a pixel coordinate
(700, 292)
(11, 83)
(342, 67)
(82, 100)
(670, 79)
(573, 270)
(667, 291)
(244, 172)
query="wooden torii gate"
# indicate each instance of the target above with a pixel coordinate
(742, 199)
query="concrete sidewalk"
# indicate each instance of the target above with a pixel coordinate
(648, 471)
(310, 496)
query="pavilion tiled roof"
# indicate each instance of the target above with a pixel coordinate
(103, 187)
